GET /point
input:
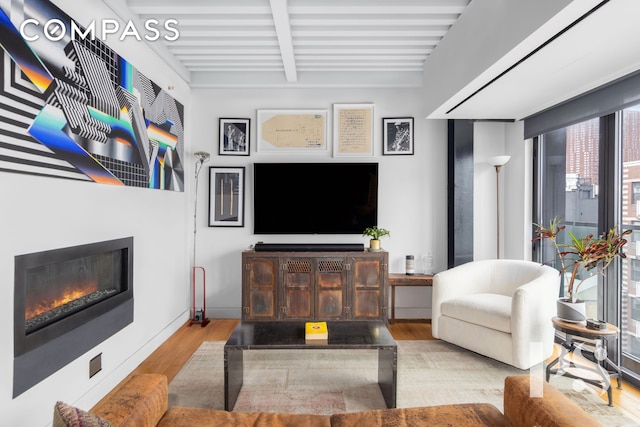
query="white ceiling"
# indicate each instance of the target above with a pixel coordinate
(384, 43)
(267, 43)
(577, 52)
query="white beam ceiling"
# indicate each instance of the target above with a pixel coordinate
(384, 44)
(267, 43)
(285, 40)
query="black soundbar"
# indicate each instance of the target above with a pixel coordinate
(309, 247)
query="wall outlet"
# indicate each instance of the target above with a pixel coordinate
(95, 365)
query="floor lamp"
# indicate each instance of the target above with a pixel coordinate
(498, 162)
(198, 317)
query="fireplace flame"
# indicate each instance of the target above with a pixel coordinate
(70, 293)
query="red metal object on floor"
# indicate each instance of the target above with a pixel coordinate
(202, 319)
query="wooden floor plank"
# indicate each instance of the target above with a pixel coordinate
(411, 330)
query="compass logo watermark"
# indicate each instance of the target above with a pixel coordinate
(56, 29)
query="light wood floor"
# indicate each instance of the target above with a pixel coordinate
(174, 353)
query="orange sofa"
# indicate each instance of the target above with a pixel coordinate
(143, 402)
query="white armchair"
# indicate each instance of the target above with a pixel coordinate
(497, 308)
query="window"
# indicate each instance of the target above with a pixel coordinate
(589, 174)
(629, 291)
(635, 269)
(569, 175)
(635, 188)
(615, 189)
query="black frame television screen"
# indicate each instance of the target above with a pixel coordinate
(314, 198)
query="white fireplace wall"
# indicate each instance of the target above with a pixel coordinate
(38, 213)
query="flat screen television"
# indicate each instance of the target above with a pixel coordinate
(314, 198)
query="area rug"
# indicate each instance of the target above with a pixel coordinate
(333, 381)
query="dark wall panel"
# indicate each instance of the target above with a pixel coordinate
(460, 192)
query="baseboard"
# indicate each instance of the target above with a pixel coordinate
(412, 312)
(412, 320)
(224, 312)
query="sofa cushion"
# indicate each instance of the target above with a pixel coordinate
(68, 416)
(478, 414)
(140, 402)
(552, 408)
(178, 416)
(489, 310)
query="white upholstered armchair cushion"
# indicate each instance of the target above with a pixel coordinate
(497, 308)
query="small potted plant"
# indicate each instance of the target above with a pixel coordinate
(375, 233)
(579, 259)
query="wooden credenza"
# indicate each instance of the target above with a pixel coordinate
(314, 285)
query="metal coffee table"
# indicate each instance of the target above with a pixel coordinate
(363, 335)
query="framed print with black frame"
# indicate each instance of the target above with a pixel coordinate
(397, 135)
(226, 196)
(234, 137)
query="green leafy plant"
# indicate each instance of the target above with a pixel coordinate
(582, 254)
(376, 232)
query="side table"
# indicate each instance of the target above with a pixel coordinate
(598, 357)
(396, 279)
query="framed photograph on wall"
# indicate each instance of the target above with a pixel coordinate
(234, 137)
(352, 130)
(397, 136)
(292, 130)
(226, 196)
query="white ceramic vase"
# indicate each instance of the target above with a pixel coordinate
(571, 311)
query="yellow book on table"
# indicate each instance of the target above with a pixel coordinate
(316, 331)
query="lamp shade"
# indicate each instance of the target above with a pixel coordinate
(202, 156)
(498, 160)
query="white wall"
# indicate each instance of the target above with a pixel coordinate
(496, 139)
(488, 141)
(412, 189)
(518, 193)
(45, 213)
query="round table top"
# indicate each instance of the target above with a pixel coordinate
(581, 329)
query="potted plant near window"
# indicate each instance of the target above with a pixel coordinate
(375, 233)
(580, 259)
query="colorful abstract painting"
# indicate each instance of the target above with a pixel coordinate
(71, 107)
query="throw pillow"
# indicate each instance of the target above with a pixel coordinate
(68, 416)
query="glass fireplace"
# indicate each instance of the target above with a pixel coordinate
(67, 301)
(58, 290)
